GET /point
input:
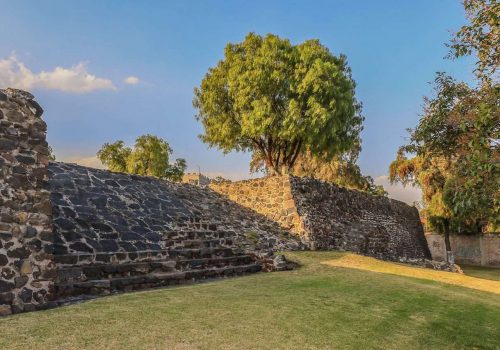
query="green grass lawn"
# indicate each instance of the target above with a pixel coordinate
(318, 306)
(489, 273)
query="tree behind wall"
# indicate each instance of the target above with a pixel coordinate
(279, 100)
(150, 156)
(341, 170)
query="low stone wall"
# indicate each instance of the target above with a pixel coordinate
(480, 250)
(26, 266)
(332, 217)
(339, 218)
(271, 197)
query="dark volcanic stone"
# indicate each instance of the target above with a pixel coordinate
(30, 232)
(99, 201)
(6, 298)
(58, 249)
(108, 245)
(130, 236)
(65, 224)
(26, 295)
(102, 227)
(8, 145)
(71, 236)
(152, 236)
(20, 253)
(20, 281)
(5, 286)
(3, 260)
(128, 247)
(81, 247)
(28, 160)
(69, 212)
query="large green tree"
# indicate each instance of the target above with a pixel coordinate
(279, 100)
(453, 155)
(150, 156)
(454, 152)
(342, 170)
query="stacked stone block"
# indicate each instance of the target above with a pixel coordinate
(120, 232)
(26, 265)
(271, 197)
(326, 216)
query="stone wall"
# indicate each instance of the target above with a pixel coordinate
(97, 211)
(481, 250)
(120, 232)
(271, 197)
(339, 218)
(331, 217)
(26, 266)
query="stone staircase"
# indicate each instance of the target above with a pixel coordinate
(190, 253)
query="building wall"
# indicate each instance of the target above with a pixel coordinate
(26, 266)
(481, 250)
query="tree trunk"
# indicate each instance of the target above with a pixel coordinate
(450, 259)
(271, 168)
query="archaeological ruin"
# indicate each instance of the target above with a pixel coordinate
(68, 231)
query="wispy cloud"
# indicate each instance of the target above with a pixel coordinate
(89, 161)
(76, 79)
(131, 80)
(406, 194)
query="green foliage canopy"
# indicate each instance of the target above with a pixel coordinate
(341, 170)
(280, 100)
(480, 36)
(456, 155)
(150, 156)
(454, 152)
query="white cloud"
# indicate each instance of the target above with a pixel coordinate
(406, 194)
(131, 80)
(91, 162)
(15, 74)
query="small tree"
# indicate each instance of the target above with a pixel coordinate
(279, 100)
(150, 156)
(52, 156)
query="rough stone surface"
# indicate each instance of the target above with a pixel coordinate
(25, 210)
(120, 232)
(97, 211)
(271, 197)
(326, 216)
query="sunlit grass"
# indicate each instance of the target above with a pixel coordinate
(370, 264)
(317, 306)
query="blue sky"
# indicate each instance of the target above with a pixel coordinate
(75, 55)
